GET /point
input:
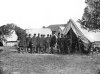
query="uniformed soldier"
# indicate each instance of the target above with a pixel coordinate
(65, 44)
(34, 44)
(28, 42)
(53, 42)
(58, 43)
(38, 43)
(25, 43)
(22, 44)
(62, 44)
(47, 43)
(42, 43)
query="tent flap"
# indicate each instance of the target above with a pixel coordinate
(73, 26)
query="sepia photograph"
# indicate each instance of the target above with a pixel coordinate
(49, 36)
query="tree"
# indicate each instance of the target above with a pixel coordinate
(9, 28)
(20, 32)
(6, 29)
(91, 17)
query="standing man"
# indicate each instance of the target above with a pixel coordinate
(58, 43)
(34, 44)
(38, 43)
(42, 43)
(28, 42)
(47, 43)
(53, 42)
(22, 44)
(62, 44)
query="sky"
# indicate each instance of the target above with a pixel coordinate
(37, 13)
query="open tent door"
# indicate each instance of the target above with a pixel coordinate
(72, 41)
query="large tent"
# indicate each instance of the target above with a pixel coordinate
(84, 35)
(76, 40)
(11, 40)
(71, 25)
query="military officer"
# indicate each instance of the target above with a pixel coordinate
(34, 44)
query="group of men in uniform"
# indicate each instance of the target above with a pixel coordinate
(48, 44)
(36, 44)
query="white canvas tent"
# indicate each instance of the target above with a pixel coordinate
(92, 36)
(11, 40)
(77, 31)
(44, 31)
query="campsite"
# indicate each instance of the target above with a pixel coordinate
(12, 62)
(49, 36)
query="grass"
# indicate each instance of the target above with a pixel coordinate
(49, 64)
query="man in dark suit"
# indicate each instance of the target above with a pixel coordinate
(53, 42)
(47, 43)
(28, 42)
(38, 43)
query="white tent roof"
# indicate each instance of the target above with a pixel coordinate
(92, 36)
(73, 26)
(84, 34)
(44, 31)
(12, 37)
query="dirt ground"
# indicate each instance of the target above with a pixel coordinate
(14, 63)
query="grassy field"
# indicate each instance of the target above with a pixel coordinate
(14, 63)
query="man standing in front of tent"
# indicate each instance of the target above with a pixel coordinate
(42, 43)
(28, 42)
(58, 43)
(47, 43)
(62, 44)
(38, 43)
(34, 43)
(53, 42)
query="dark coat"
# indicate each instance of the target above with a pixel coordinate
(33, 41)
(38, 40)
(47, 41)
(53, 41)
(22, 42)
(42, 42)
(28, 41)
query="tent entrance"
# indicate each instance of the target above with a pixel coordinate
(72, 40)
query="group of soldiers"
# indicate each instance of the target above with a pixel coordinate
(47, 44)
(37, 44)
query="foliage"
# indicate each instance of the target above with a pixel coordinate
(8, 29)
(91, 17)
(20, 32)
